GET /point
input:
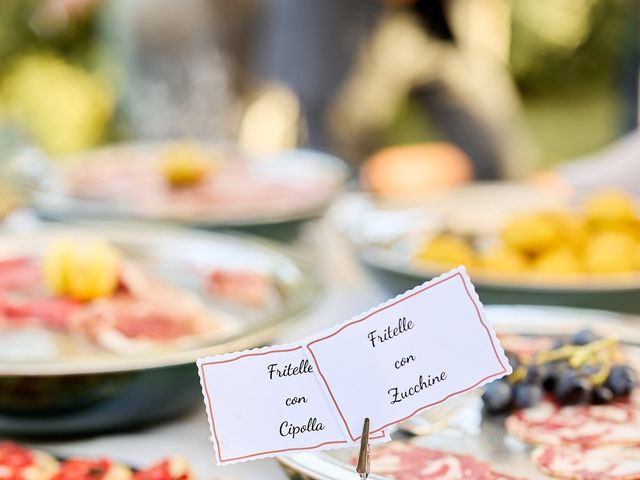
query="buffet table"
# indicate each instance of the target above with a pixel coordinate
(349, 290)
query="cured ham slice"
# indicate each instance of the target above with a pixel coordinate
(19, 274)
(249, 289)
(145, 315)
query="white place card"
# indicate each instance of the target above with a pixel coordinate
(267, 402)
(408, 354)
(390, 363)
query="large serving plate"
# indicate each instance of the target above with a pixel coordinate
(46, 185)
(64, 393)
(471, 432)
(386, 238)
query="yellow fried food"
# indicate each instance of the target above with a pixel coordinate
(572, 228)
(557, 262)
(185, 165)
(610, 209)
(447, 249)
(83, 271)
(503, 260)
(532, 233)
(637, 255)
(610, 251)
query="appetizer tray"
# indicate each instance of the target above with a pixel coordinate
(474, 432)
(18, 461)
(53, 382)
(388, 238)
(126, 182)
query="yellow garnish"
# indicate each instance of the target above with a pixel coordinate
(578, 355)
(83, 271)
(518, 374)
(185, 165)
(601, 375)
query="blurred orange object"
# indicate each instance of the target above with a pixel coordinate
(413, 171)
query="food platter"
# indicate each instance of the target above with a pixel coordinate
(387, 237)
(124, 182)
(82, 390)
(20, 461)
(472, 432)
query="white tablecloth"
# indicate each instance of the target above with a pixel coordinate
(349, 291)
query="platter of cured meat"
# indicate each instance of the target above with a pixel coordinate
(190, 183)
(570, 409)
(108, 314)
(18, 461)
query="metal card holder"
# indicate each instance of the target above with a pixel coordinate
(363, 466)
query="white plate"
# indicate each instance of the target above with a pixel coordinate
(469, 433)
(387, 236)
(181, 257)
(44, 185)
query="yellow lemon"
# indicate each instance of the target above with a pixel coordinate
(504, 260)
(81, 271)
(559, 261)
(447, 249)
(185, 165)
(610, 251)
(610, 209)
(531, 232)
(55, 265)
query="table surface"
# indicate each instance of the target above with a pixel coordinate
(349, 290)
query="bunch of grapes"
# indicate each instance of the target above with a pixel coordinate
(579, 370)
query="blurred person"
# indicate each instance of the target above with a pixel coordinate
(615, 166)
(449, 55)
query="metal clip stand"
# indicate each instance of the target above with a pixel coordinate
(363, 457)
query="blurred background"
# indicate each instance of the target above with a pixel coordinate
(381, 142)
(517, 85)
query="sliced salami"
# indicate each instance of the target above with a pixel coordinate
(502, 476)
(547, 423)
(610, 462)
(403, 461)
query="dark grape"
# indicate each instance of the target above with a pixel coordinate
(588, 370)
(497, 396)
(622, 380)
(572, 389)
(535, 373)
(551, 373)
(513, 360)
(526, 395)
(601, 395)
(583, 337)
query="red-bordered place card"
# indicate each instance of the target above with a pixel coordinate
(267, 402)
(408, 354)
